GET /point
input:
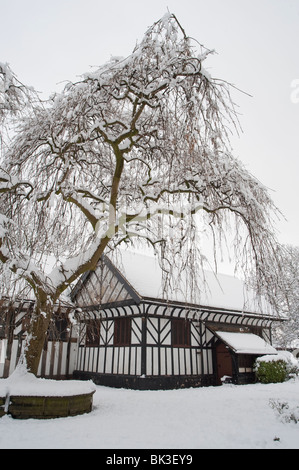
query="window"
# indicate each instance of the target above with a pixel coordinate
(122, 331)
(58, 329)
(180, 333)
(93, 328)
(246, 362)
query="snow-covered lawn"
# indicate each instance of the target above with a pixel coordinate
(214, 417)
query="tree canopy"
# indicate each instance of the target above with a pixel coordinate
(133, 150)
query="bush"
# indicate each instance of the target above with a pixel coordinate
(278, 368)
(271, 371)
(292, 363)
(286, 413)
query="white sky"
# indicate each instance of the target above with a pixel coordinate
(257, 45)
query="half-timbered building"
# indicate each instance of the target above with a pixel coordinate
(131, 332)
(134, 334)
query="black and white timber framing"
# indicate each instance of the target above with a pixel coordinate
(60, 348)
(127, 340)
(124, 338)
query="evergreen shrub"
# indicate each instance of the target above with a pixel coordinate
(272, 371)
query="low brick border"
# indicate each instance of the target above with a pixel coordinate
(45, 407)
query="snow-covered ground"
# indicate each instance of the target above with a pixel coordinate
(229, 417)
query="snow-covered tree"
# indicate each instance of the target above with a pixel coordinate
(15, 100)
(15, 97)
(287, 297)
(12, 93)
(133, 150)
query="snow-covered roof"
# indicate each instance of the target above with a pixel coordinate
(223, 291)
(246, 343)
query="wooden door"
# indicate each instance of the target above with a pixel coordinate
(223, 361)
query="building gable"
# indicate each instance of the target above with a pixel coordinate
(104, 285)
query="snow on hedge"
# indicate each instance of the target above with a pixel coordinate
(284, 356)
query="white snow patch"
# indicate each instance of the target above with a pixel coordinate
(225, 417)
(285, 356)
(22, 383)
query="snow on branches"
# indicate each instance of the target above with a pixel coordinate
(126, 151)
(14, 96)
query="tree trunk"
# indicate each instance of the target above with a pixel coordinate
(37, 332)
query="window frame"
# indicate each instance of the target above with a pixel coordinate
(180, 333)
(246, 363)
(93, 333)
(57, 331)
(122, 331)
